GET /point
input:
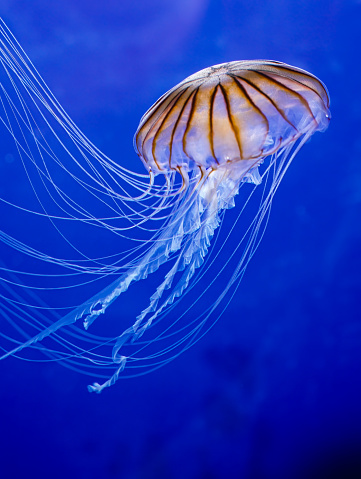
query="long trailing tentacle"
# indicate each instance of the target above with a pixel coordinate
(185, 221)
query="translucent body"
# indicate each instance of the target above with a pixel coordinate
(229, 129)
(236, 111)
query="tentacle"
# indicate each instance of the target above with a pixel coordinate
(185, 221)
(199, 222)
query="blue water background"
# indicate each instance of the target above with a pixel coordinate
(273, 391)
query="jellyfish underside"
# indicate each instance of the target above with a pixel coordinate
(232, 129)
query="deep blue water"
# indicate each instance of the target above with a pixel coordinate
(273, 390)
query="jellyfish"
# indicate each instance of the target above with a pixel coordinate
(220, 140)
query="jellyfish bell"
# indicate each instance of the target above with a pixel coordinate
(235, 112)
(228, 128)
